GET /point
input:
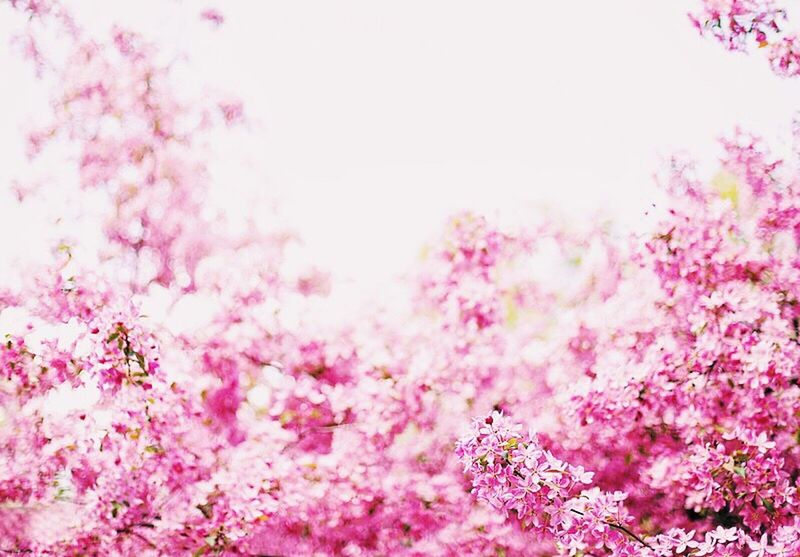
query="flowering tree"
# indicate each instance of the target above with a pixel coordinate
(656, 379)
(743, 24)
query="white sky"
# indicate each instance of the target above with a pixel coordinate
(375, 119)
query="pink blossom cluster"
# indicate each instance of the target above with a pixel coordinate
(741, 24)
(736, 22)
(515, 474)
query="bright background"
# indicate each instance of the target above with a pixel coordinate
(374, 120)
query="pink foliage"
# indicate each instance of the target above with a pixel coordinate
(656, 376)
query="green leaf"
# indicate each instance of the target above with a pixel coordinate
(141, 362)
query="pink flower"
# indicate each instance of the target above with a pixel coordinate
(213, 15)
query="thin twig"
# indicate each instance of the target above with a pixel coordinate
(620, 528)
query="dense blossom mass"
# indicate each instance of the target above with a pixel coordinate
(633, 398)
